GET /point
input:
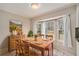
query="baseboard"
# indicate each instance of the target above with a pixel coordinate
(3, 51)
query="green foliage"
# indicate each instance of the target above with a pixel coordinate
(13, 27)
(30, 33)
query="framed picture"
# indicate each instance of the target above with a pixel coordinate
(15, 26)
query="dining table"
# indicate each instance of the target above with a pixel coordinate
(39, 43)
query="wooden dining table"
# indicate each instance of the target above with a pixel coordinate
(39, 44)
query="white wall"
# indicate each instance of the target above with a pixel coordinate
(5, 17)
(77, 25)
(62, 11)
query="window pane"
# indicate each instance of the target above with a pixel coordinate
(49, 27)
(39, 28)
(61, 29)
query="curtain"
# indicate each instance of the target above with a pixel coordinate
(55, 36)
(43, 26)
(67, 31)
(35, 28)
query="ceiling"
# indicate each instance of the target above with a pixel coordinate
(24, 9)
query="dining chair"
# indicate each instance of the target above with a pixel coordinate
(42, 35)
(25, 48)
(48, 49)
(18, 48)
(49, 37)
(22, 48)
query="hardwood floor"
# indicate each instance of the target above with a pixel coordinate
(55, 53)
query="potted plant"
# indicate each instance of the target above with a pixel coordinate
(13, 29)
(30, 33)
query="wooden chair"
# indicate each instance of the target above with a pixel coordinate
(22, 48)
(50, 37)
(25, 48)
(48, 49)
(42, 35)
(18, 47)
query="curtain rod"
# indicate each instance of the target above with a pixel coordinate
(54, 18)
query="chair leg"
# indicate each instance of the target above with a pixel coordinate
(16, 52)
(21, 51)
(48, 53)
(52, 49)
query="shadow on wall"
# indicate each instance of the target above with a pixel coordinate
(4, 45)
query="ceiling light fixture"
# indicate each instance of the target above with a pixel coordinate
(35, 5)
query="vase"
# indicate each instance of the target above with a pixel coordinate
(14, 32)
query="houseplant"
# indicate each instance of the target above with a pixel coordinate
(30, 33)
(13, 29)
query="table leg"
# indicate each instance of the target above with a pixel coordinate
(42, 52)
(52, 49)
